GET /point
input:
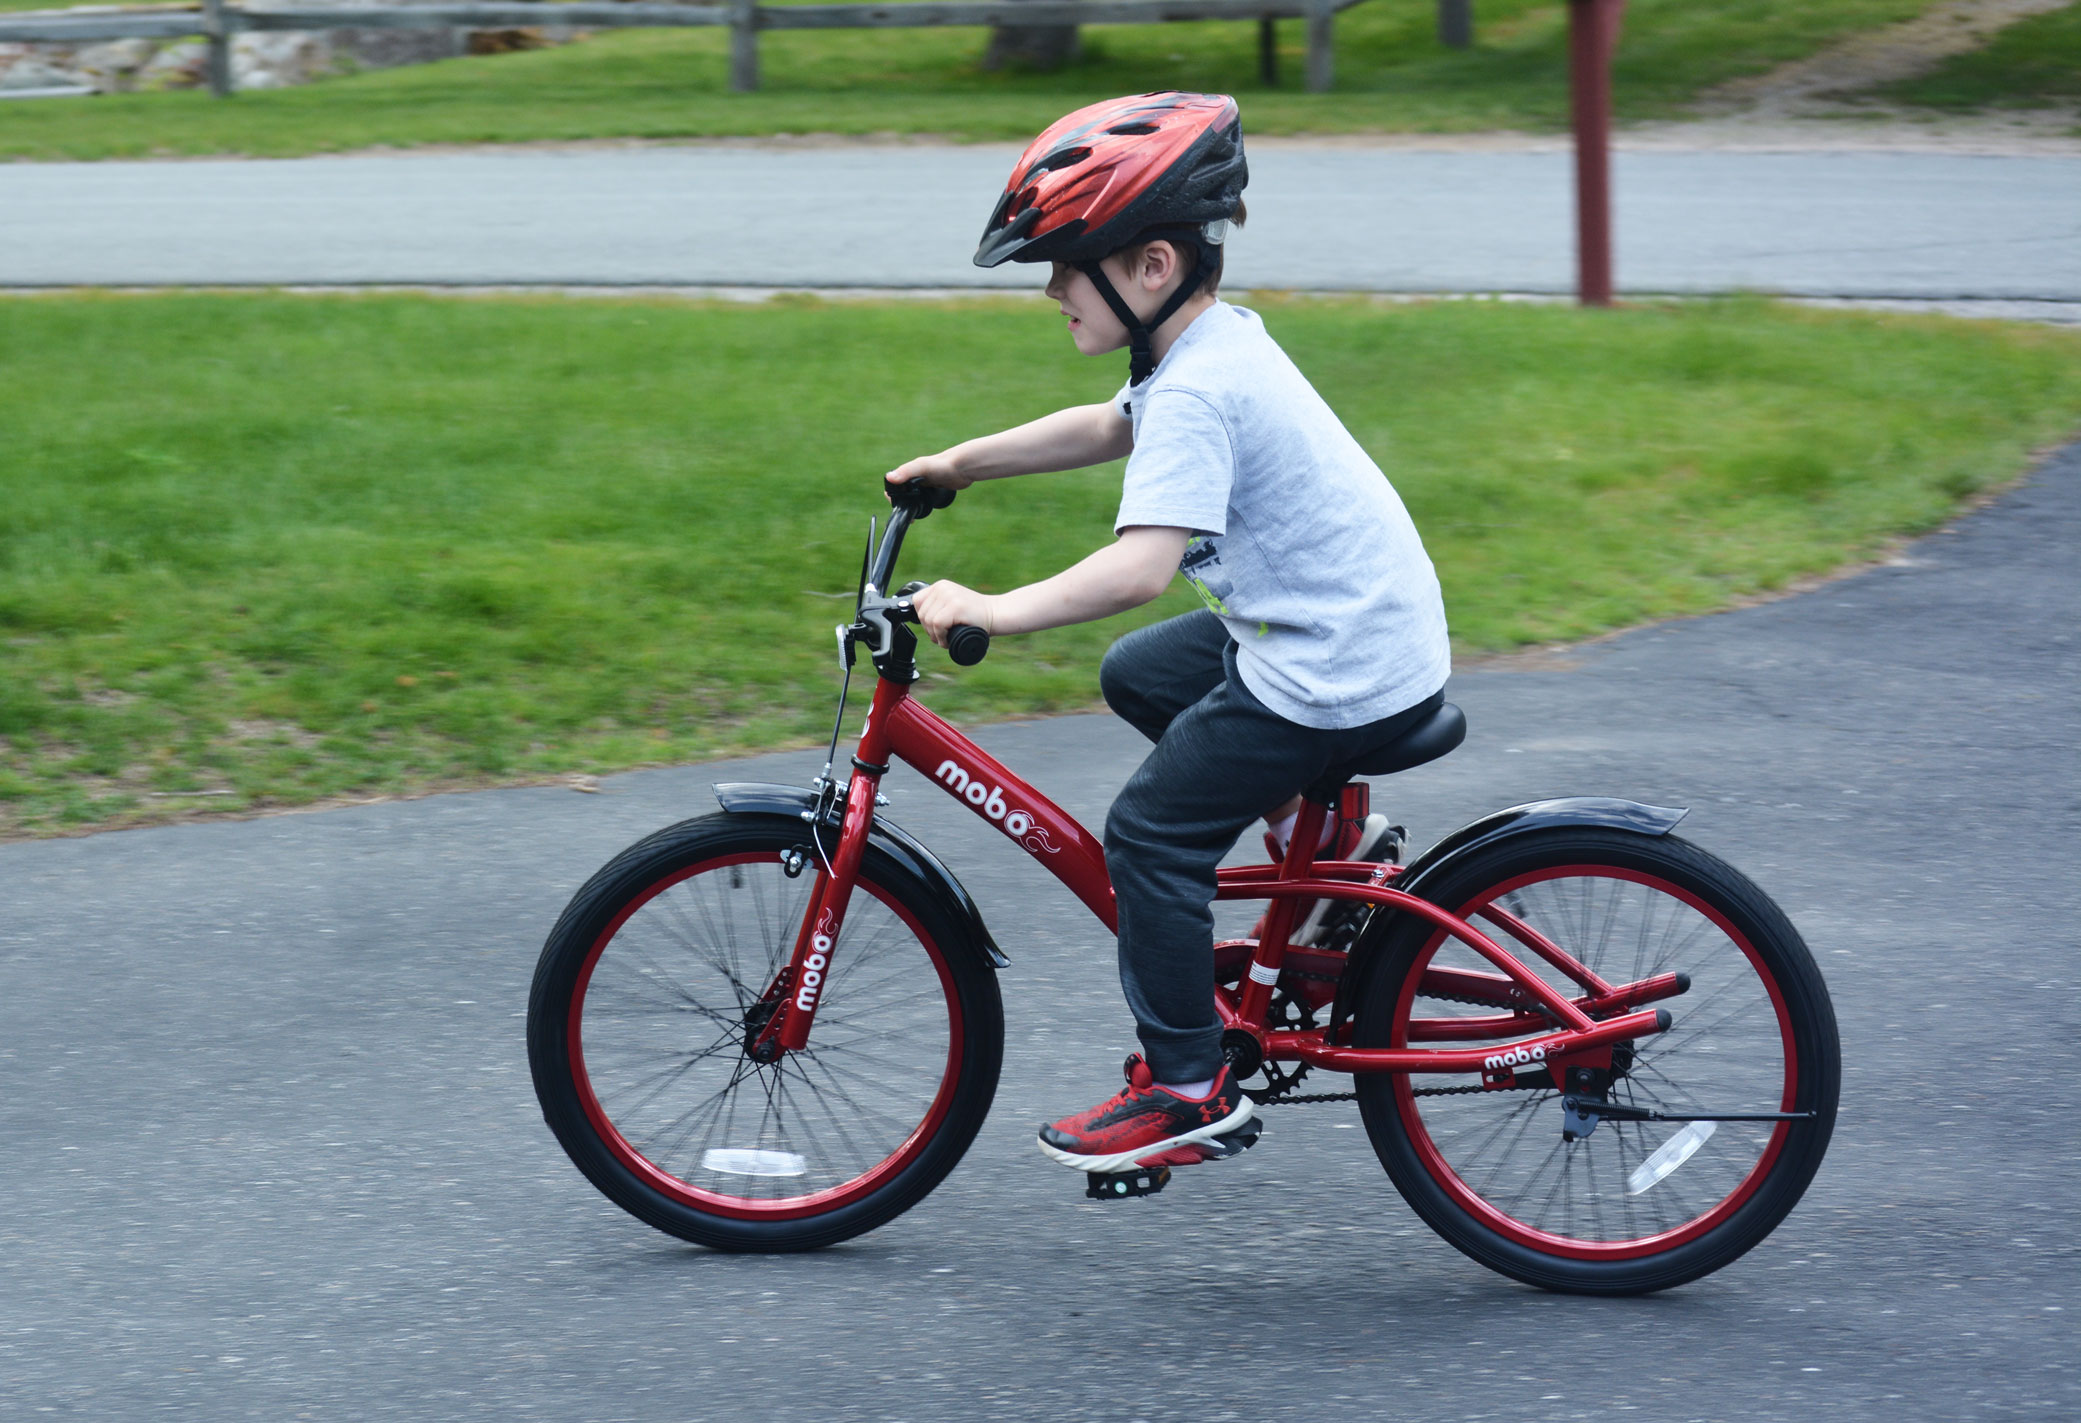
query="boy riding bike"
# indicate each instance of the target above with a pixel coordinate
(1323, 632)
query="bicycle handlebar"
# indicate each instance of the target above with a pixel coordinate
(913, 501)
(967, 644)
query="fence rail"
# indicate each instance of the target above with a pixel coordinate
(218, 22)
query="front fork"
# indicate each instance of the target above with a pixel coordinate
(798, 987)
(808, 969)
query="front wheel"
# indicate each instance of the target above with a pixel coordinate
(667, 962)
(1628, 1206)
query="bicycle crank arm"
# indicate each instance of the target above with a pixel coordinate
(1614, 1112)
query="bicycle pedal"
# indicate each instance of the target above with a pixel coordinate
(1119, 1185)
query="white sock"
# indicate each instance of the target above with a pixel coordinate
(1189, 1089)
(1282, 830)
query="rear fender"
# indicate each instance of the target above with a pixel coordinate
(1439, 861)
(799, 803)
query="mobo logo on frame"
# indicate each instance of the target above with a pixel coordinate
(1498, 1061)
(990, 801)
(813, 967)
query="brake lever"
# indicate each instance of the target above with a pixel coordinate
(876, 611)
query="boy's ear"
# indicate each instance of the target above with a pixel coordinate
(1159, 265)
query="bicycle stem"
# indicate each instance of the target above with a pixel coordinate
(884, 565)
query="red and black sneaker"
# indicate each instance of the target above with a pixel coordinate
(1318, 920)
(1375, 841)
(1147, 1125)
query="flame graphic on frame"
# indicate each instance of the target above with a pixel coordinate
(1036, 840)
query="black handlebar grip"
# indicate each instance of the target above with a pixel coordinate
(920, 499)
(967, 644)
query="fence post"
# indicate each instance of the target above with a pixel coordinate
(1456, 23)
(744, 45)
(1267, 53)
(1593, 32)
(1321, 59)
(219, 36)
(1040, 49)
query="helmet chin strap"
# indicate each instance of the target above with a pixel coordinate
(1141, 362)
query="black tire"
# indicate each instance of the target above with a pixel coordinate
(1754, 1032)
(637, 1023)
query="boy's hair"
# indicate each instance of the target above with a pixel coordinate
(1188, 253)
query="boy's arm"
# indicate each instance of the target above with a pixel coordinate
(1068, 439)
(1125, 574)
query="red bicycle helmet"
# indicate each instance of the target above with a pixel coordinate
(1118, 172)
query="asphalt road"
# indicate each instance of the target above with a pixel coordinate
(270, 1149)
(1866, 224)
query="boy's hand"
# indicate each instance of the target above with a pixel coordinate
(946, 603)
(936, 470)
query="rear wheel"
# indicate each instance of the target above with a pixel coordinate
(664, 966)
(1630, 1205)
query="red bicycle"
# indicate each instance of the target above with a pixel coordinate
(1589, 1054)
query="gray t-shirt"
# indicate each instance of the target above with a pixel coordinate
(1300, 545)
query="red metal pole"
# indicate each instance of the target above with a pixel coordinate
(1593, 31)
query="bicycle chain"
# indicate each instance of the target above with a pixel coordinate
(1414, 1092)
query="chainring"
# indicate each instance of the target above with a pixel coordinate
(1285, 1013)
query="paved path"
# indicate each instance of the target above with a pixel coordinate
(1336, 217)
(269, 1148)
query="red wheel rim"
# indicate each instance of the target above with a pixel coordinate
(746, 1207)
(1546, 1242)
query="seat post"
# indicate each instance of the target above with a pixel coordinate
(1271, 946)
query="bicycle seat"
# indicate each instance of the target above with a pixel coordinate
(1429, 739)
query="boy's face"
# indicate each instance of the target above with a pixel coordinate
(1144, 287)
(1092, 324)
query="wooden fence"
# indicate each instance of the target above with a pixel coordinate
(217, 22)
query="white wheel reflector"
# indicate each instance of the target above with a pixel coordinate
(1668, 1156)
(739, 1161)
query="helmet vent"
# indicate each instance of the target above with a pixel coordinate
(1061, 158)
(1133, 129)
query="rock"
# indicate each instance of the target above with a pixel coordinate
(113, 66)
(387, 49)
(278, 59)
(32, 73)
(260, 59)
(180, 65)
(506, 41)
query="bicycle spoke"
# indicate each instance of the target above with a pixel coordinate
(1723, 1050)
(665, 1021)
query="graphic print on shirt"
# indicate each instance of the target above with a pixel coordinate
(1203, 556)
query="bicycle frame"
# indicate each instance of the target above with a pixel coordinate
(900, 728)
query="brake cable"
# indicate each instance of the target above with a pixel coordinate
(826, 788)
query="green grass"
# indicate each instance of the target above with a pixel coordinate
(2035, 63)
(284, 548)
(1391, 75)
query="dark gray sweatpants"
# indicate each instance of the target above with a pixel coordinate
(1222, 759)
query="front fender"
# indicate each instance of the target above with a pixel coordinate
(1437, 861)
(769, 798)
